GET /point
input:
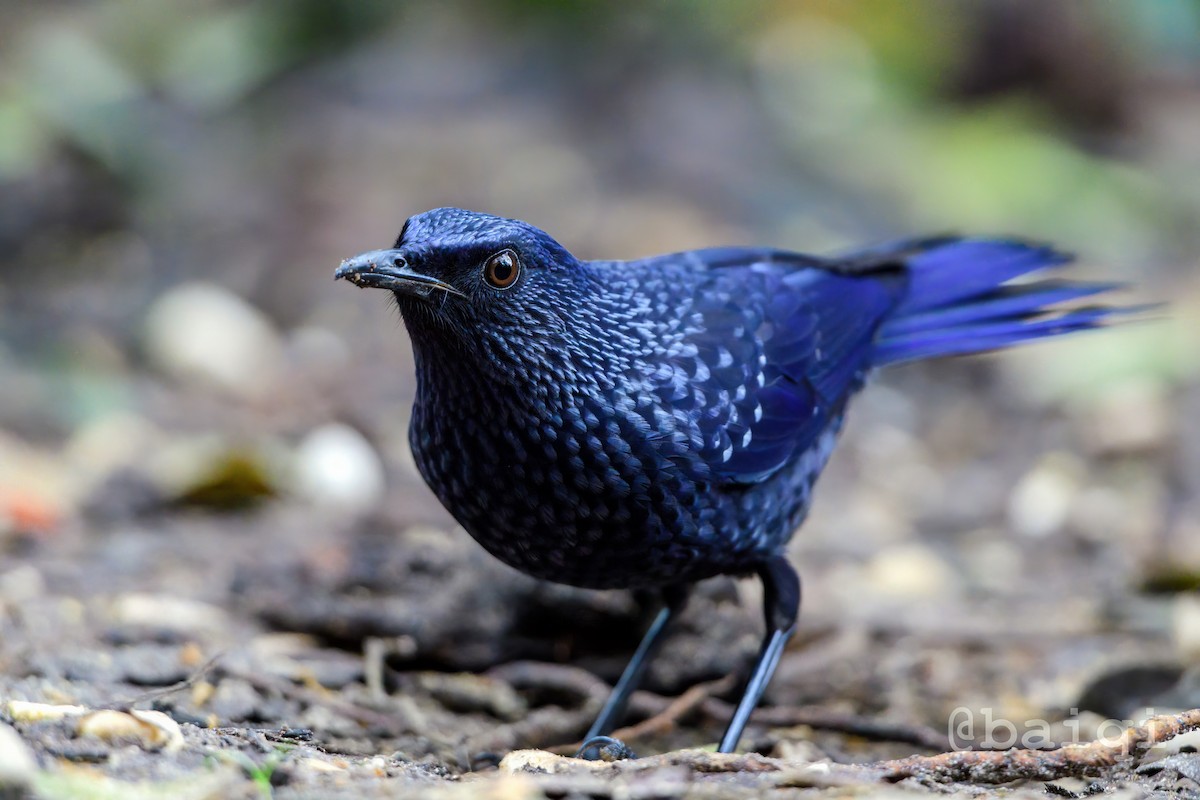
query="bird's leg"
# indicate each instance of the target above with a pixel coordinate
(781, 604)
(675, 598)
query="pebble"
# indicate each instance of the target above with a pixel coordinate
(168, 612)
(202, 693)
(205, 333)
(151, 730)
(17, 765)
(1041, 501)
(337, 466)
(25, 711)
(799, 751)
(911, 571)
(1185, 626)
(208, 471)
(543, 763)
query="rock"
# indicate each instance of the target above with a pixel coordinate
(541, 762)
(1185, 624)
(232, 480)
(799, 751)
(337, 466)
(17, 765)
(151, 730)
(909, 570)
(1041, 500)
(168, 612)
(202, 693)
(203, 332)
(24, 711)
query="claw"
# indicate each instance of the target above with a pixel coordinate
(604, 748)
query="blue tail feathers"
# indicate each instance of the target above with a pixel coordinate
(959, 300)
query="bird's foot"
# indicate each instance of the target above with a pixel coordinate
(604, 748)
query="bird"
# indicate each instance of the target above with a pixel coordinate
(650, 423)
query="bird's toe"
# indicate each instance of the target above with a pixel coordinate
(605, 748)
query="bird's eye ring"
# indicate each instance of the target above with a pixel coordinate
(502, 269)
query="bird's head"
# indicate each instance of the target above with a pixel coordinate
(462, 273)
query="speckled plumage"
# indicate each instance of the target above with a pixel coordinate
(654, 422)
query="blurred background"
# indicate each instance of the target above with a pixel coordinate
(188, 401)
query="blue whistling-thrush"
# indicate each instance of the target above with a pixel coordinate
(650, 423)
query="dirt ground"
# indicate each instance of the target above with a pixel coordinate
(307, 650)
(221, 576)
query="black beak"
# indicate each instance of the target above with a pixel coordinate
(387, 269)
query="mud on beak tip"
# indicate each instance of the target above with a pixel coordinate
(351, 269)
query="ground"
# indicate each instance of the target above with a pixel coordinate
(971, 572)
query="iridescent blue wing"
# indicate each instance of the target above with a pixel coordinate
(780, 343)
(777, 342)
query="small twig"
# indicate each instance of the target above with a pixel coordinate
(878, 730)
(871, 728)
(311, 697)
(696, 760)
(574, 681)
(676, 710)
(179, 686)
(1070, 761)
(666, 713)
(707, 761)
(376, 649)
(545, 726)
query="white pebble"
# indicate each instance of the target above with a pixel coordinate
(168, 612)
(27, 711)
(1041, 501)
(909, 570)
(17, 766)
(540, 762)
(200, 331)
(1185, 624)
(152, 730)
(337, 466)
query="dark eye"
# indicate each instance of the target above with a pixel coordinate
(502, 269)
